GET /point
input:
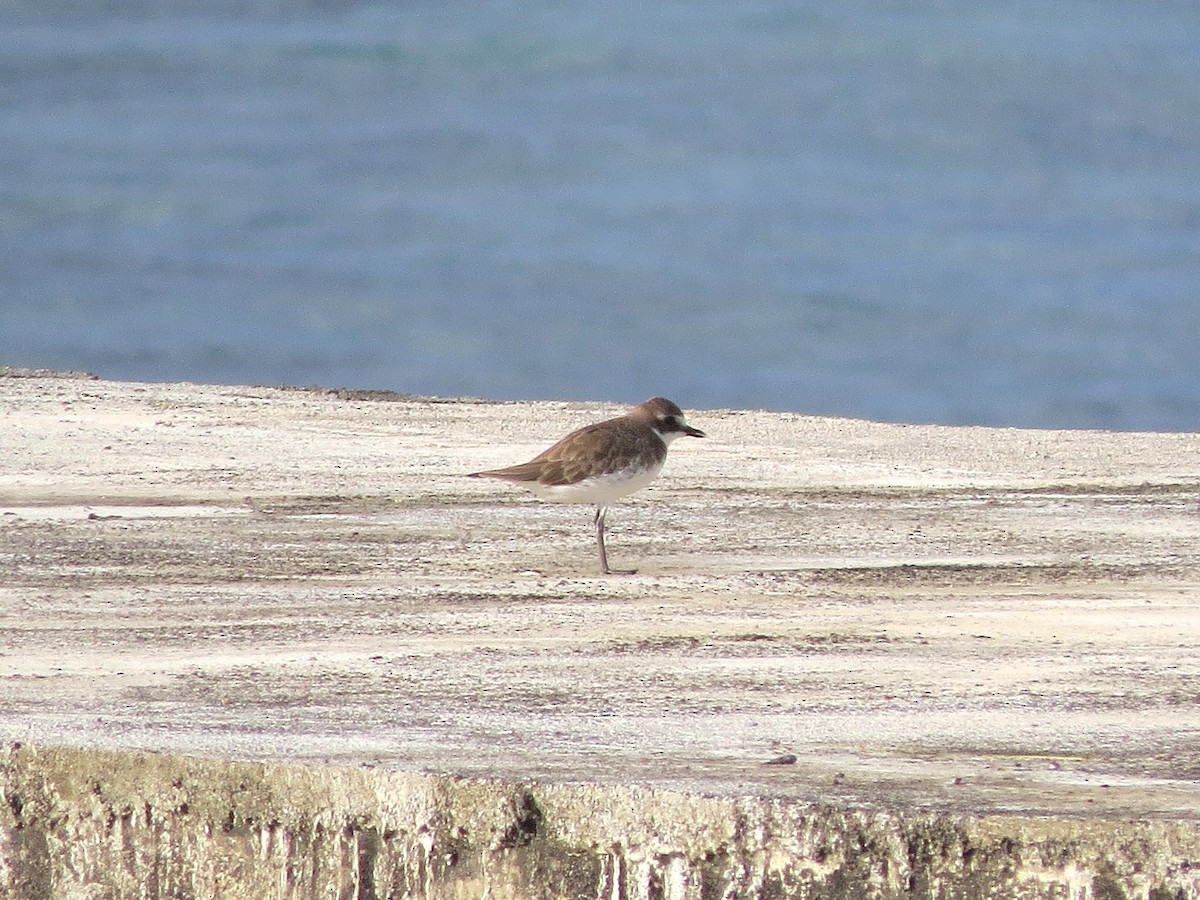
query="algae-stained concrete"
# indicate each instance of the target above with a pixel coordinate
(84, 823)
(953, 625)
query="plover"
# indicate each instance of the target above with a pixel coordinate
(603, 462)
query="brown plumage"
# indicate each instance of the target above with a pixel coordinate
(599, 449)
(603, 462)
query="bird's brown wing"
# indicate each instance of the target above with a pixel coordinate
(593, 449)
(529, 471)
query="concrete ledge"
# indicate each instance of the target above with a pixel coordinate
(970, 654)
(129, 825)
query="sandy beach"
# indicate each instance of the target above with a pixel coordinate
(959, 620)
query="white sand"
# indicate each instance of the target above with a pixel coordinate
(964, 618)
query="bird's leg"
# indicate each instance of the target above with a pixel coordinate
(600, 511)
(604, 569)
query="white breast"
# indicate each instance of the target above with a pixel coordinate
(599, 490)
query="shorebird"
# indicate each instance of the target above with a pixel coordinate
(603, 462)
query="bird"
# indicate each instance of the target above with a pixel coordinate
(603, 462)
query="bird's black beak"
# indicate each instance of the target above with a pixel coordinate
(693, 432)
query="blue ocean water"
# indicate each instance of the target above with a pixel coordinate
(939, 211)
